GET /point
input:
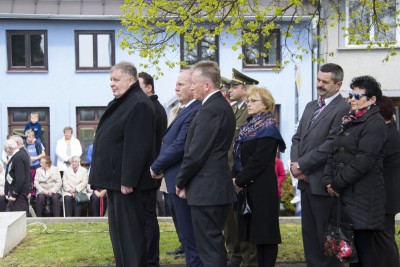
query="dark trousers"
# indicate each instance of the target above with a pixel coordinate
(167, 204)
(267, 254)
(364, 241)
(3, 203)
(242, 253)
(173, 214)
(160, 204)
(184, 224)
(386, 245)
(152, 230)
(126, 220)
(314, 213)
(208, 223)
(20, 204)
(72, 207)
(96, 205)
(54, 201)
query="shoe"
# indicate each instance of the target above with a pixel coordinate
(232, 264)
(180, 256)
(179, 250)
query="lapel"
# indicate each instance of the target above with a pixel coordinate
(182, 113)
(323, 113)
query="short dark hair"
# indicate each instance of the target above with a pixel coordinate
(147, 79)
(387, 108)
(370, 85)
(335, 69)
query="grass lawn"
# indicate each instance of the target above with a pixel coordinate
(88, 244)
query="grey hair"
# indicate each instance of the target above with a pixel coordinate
(18, 139)
(10, 143)
(73, 158)
(126, 68)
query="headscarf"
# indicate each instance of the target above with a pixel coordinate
(257, 126)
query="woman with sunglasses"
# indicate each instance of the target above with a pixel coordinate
(354, 169)
(254, 154)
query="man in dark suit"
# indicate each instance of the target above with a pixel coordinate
(239, 253)
(170, 159)
(311, 145)
(123, 150)
(18, 177)
(204, 177)
(151, 223)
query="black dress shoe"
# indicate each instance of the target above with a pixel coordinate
(179, 250)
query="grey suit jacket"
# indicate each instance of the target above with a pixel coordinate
(312, 144)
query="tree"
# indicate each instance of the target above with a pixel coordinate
(151, 26)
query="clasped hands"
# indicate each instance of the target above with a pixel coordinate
(297, 173)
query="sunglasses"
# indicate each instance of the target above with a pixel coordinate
(357, 96)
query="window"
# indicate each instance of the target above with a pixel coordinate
(202, 51)
(256, 55)
(94, 50)
(87, 121)
(362, 30)
(27, 50)
(19, 117)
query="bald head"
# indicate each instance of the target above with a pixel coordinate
(182, 88)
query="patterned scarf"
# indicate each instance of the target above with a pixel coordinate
(258, 126)
(352, 116)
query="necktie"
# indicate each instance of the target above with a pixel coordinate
(178, 110)
(321, 105)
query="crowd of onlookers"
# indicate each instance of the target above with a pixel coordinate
(54, 187)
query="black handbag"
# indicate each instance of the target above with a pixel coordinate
(243, 204)
(81, 198)
(338, 236)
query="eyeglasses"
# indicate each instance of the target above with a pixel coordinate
(357, 96)
(254, 100)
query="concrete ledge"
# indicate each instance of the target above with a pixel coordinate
(12, 231)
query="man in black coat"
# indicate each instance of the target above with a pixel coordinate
(122, 153)
(204, 177)
(152, 228)
(18, 177)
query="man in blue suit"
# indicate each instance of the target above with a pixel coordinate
(170, 158)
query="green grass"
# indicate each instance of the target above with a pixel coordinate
(88, 244)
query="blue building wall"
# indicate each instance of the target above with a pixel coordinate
(62, 88)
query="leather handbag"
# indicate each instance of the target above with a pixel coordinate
(338, 236)
(243, 204)
(81, 198)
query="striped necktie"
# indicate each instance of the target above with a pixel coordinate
(320, 107)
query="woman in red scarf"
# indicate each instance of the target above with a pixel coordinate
(354, 169)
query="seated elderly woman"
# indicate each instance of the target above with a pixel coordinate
(48, 188)
(353, 172)
(2, 184)
(75, 179)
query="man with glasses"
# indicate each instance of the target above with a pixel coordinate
(311, 145)
(239, 253)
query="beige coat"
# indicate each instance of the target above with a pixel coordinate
(48, 180)
(77, 181)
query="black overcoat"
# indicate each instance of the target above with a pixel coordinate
(391, 171)
(355, 170)
(123, 148)
(258, 174)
